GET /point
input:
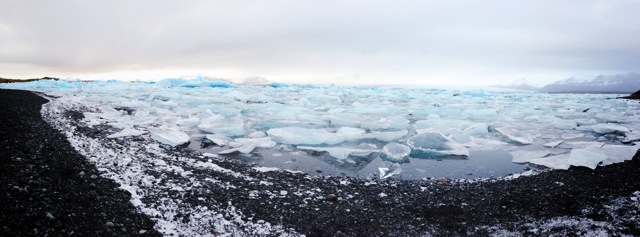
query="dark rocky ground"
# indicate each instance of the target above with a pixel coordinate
(42, 193)
(633, 96)
(40, 175)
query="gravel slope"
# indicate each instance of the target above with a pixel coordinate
(578, 201)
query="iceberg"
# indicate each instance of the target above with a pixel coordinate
(313, 136)
(227, 127)
(632, 136)
(206, 83)
(434, 145)
(477, 130)
(386, 136)
(515, 136)
(608, 128)
(586, 157)
(171, 82)
(169, 136)
(618, 153)
(395, 152)
(218, 139)
(558, 162)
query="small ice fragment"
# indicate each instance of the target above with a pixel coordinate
(391, 171)
(263, 142)
(395, 152)
(127, 132)
(586, 157)
(552, 144)
(559, 162)
(515, 136)
(434, 145)
(569, 136)
(220, 140)
(247, 145)
(169, 136)
(564, 124)
(605, 128)
(265, 169)
(246, 149)
(581, 144)
(525, 156)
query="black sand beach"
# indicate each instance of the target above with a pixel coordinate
(43, 193)
(50, 189)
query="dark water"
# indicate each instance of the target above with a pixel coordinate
(479, 164)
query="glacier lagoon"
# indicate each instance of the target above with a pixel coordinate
(363, 132)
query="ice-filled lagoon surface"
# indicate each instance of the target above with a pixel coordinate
(363, 132)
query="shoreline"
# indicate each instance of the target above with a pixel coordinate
(530, 205)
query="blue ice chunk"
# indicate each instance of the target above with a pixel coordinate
(304, 136)
(171, 82)
(433, 145)
(477, 94)
(279, 85)
(396, 153)
(199, 82)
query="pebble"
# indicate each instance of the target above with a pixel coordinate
(93, 176)
(82, 174)
(142, 231)
(50, 216)
(331, 197)
(110, 224)
(442, 180)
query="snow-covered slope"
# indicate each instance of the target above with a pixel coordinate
(619, 83)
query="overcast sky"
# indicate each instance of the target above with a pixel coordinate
(345, 42)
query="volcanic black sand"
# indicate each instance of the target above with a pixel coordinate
(42, 193)
(40, 176)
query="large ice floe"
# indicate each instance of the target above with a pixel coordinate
(399, 125)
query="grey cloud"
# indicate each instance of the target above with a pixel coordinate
(326, 39)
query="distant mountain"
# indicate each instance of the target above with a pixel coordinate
(7, 80)
(619, 83)
(520, 85)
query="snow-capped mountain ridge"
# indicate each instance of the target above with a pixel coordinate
(618, 83)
